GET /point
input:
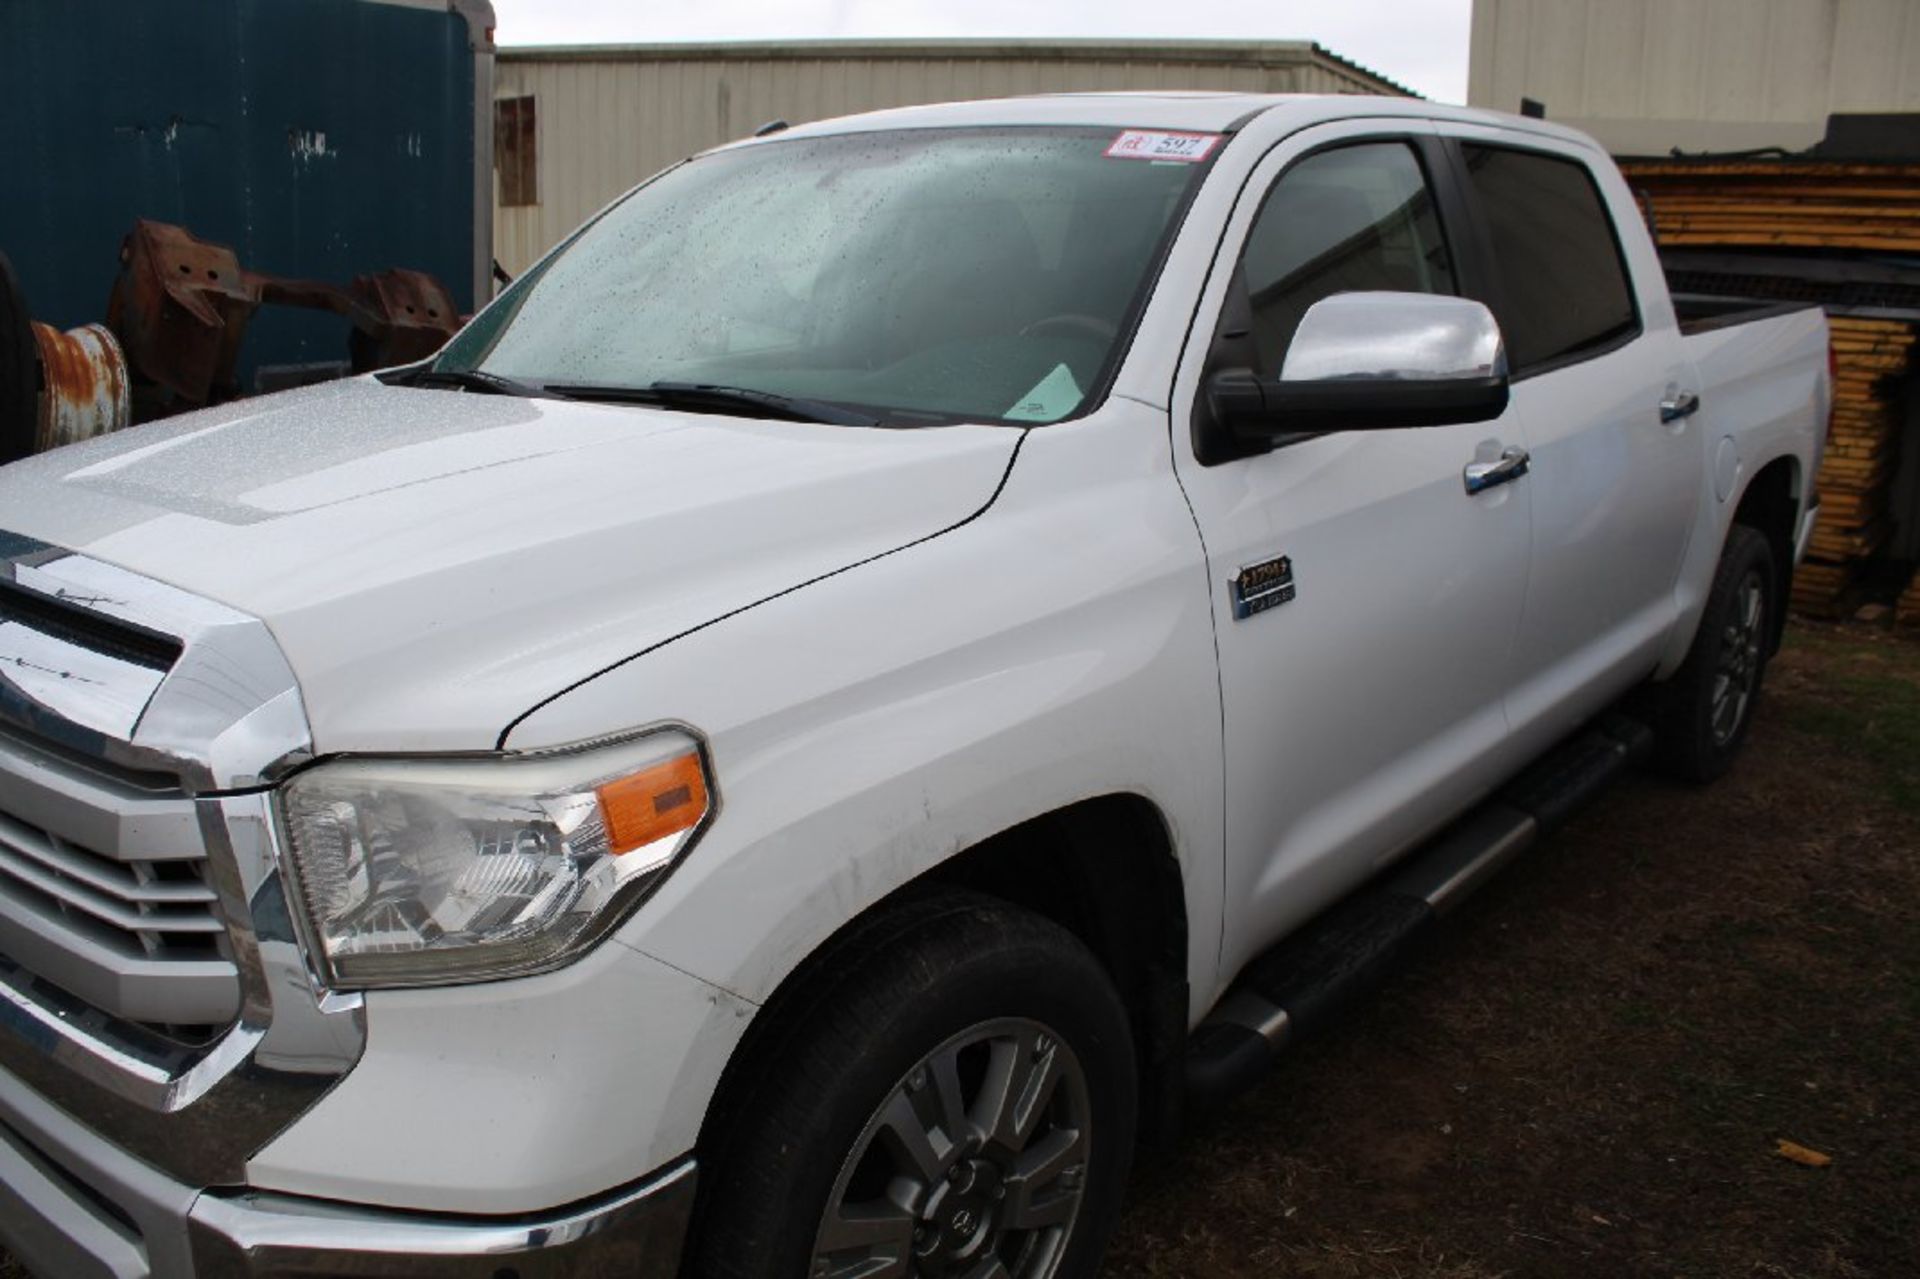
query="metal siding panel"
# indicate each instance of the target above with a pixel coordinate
(1799, 66)
(808, 93)
(1028, 77)
(1673, 59)
(1699, 72)
(564, 135)
(1733, 59)
(1556, 49)
(1612, 70)
(995, 78)
(1876, 56)
(1515, 73)
(1483, 30)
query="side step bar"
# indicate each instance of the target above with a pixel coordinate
(1300, 985)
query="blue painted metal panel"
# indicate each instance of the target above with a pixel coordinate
(318, 138)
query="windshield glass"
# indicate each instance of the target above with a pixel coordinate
(919, 276)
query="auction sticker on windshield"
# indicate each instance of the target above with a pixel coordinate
(1140, 144)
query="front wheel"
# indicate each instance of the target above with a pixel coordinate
(1704, 712)
(953, 1096)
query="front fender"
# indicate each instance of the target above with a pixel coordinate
(866, 728)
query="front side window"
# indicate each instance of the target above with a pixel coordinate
(1564, 287)
(1359, 218)
(920, 275)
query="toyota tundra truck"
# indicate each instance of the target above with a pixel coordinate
(905, 656)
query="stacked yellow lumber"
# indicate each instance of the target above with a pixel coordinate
(1863, 443)
(1906, 613)
(1820, 590)
(1862, 451)
(1813, 204)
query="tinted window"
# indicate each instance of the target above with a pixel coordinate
(1564, 286)
(1359, 218)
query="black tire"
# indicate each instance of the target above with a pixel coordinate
(879, 1024)
(1697, 731)
(19, 370)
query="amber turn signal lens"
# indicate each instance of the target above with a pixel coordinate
(653, 803)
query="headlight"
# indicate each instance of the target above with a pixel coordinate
(417, 872)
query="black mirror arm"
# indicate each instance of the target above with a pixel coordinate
(1257, 406)
(1237, 396)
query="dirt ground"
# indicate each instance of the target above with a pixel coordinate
(1589, 1073)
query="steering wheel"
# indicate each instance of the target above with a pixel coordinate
(1074, 322)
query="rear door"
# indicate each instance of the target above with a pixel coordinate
(1615, 480)
(1363, 702)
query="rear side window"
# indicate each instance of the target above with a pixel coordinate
(1357, 218)
(1564, 286)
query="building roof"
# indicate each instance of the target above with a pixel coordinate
(1269, 53)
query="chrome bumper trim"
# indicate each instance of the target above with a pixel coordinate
(638, 1233)
(73, 1205)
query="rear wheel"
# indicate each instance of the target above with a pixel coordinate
(1703, 714)
(954, 1096)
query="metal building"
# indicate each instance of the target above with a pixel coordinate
(1646, 76)
(576, 126)
(316, 138)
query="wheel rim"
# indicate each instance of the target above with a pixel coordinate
(1737, 671)
(973, 1167)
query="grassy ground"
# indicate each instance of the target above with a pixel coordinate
(1588, 1074)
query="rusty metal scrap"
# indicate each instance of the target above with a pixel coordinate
(85, 389)
(181, 307)
(55, 388)
(398, 316)
(411, 315)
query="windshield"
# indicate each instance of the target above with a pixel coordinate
(917, 276)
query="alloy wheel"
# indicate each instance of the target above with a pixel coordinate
(972, 1168)
(1737, 670)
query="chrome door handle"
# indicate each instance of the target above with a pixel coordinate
(1679, 405)
(1481, 476)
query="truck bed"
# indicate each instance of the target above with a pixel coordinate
(1701, 313)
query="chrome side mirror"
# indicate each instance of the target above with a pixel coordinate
(1374, 361)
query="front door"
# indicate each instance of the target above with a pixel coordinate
(1363, 700)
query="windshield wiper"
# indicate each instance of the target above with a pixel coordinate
(701, 397)
(475, 380)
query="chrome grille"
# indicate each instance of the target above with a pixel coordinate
(104, 894)
(151, 907)
(141, 729)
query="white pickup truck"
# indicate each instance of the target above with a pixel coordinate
(906, 653)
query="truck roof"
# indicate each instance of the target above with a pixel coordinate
(1196, 111)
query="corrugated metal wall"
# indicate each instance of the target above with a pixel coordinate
(1645, 76)
(607, 118)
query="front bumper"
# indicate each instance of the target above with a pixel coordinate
(74, 1207)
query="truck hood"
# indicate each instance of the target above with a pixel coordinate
(434, 563)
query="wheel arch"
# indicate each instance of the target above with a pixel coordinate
(1770, 504)
(1103, 868)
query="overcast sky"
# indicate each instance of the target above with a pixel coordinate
(1420, 43)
